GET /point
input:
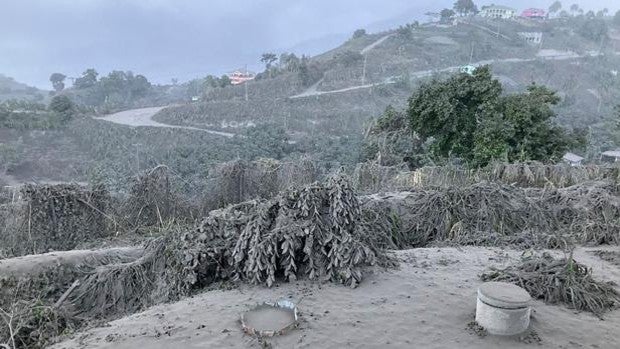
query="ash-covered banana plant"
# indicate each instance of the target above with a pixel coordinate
(308, 232)
(311, 232)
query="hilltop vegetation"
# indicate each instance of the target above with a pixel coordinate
(11, 89)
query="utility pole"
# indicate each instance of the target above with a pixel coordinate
(471, 55)
(137, 145)
(600, 49)
(364, 69)
(246, 83)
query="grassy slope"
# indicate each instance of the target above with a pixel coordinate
(11, 89)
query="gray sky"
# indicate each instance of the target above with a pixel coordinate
(163, 39)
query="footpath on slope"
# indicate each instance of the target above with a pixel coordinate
(143, 117)
(313, 90)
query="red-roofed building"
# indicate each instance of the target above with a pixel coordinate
(534, 13)
(240, 76)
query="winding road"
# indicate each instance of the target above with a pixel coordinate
(545, 55)
(143, 117)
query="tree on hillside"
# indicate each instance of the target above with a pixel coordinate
(224, 81)
(602, 13)
(290, 62)
(58, 81)
(593, 28)
(468, 117)
(574, 8)
(617, 18)
(359, 33)
(465, 7)
(88, 79)
(555, 7)
(62, 108)
(268, 59)
(446, 15)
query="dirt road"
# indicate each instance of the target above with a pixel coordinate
(144, 118)
(549, 55)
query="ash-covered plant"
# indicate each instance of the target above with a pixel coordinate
(559, 280)
(309, 232)
(151, 199)
(302, 233)
(59, 217)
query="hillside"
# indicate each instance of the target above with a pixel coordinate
(321, 106)
(355, 81)
(11, 89)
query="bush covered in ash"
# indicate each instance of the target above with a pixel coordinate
(54, 217)
(311, 232)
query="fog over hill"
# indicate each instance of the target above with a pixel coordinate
(167, 39)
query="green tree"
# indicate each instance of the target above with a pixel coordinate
(359, 33)
(268, 59)
(448, 111)
(593, 28)
(446, 15)
(468, 117)
(88, 79)
(555, 7)
(58, 81)
(465, 7)
(224, 81)
(290, 62)
(574, 8)
(266, 140)
(62, 108)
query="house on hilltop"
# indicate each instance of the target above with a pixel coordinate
(240, 76)
(534, 13)
(496, 11)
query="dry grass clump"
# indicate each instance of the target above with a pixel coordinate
(456, 214)
(54, 217)
(493, 214)
(237, 181)
(589, 211)
(302, 233)
(558, 175)
(372, 177)
(526, 175)
(561, 280)
(151, 199)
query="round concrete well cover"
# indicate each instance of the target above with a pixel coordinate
(503, 295)
(270, 319)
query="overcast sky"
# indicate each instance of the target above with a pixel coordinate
(182, 39)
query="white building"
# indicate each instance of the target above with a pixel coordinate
(532, 38)
(494, 11)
